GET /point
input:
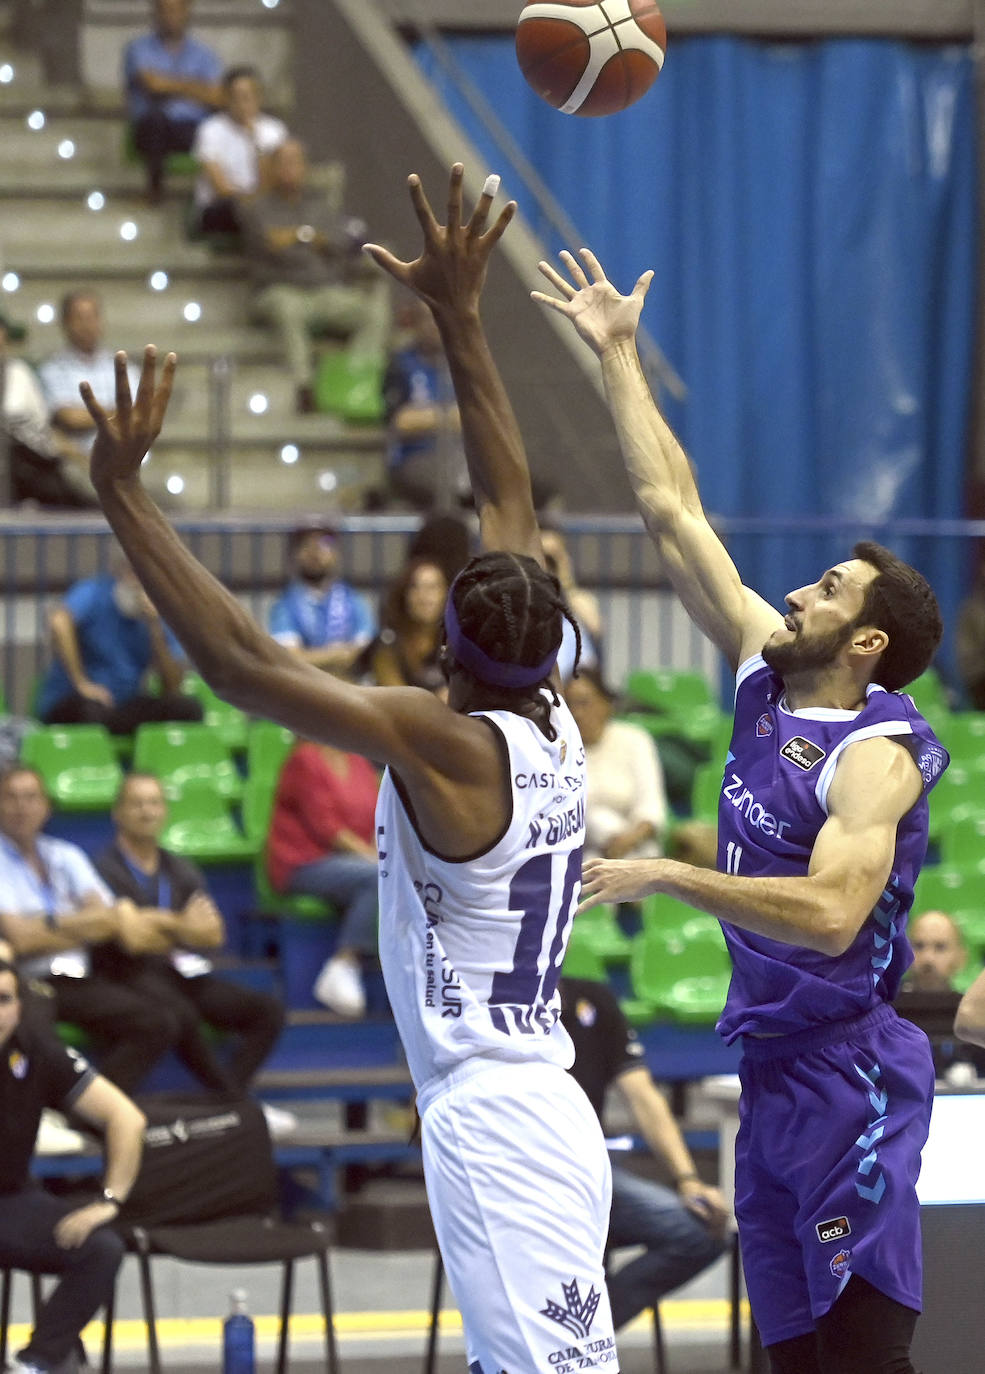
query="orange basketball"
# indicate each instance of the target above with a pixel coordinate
(591, 57)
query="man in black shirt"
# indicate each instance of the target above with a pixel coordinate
(45, 1234)
(682, 1228)
(171, 893)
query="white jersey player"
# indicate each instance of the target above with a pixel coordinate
(481, 823)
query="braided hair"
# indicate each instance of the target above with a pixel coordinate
(512, 610)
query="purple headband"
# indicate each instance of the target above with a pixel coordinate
(487, 669)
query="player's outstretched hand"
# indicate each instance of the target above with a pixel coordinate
(616, 880)
(124, 435)
(601, 316)
(451, 269)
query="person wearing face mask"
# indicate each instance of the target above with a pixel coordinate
(318, 615)
(106, 636)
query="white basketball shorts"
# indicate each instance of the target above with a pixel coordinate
(519, 1185)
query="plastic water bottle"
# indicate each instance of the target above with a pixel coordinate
(238, 1337)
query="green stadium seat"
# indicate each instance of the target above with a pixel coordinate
(706, 791)
(187, 758)
(599, 928)
(78, 764)
(669, 691)
(946, 888)
(962, 840)
(963, 736)
(350, 387)
(581, 959)
(929, 694)
(679, 975)
(258, 803)
(201, 827)
(229, 723)
(267, 746)
(667, 915)
(175, 164)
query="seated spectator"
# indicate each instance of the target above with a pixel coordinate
(407, 651)
(425, 457)
(970, 643)
(53, 908)
(308, 272)
(583, 604)
(322, 842)
(625, 801)
(319, 615)
(40, 1232)
(173, 81)
(443, 539)
(106, 636)
(232, 148)
(85, 358)
(681, 1228)
(174, 900)
(927, 996)
(45, 466)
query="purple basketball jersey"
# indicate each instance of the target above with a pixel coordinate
(774, 802)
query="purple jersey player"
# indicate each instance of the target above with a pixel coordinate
(822, 830)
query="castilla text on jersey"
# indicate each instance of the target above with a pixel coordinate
(553, 782)
(755, 813)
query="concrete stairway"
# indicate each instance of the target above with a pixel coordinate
(53, 237)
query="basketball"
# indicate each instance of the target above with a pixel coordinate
(591, 57)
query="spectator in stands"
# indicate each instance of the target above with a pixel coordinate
(407, 651)
(83, 358)
(625, 801)
(53, 907)
(682, 1227)
(174, 899)
(444, 539)
(939, 953)
(45, 466)
(425, 457)
(970, 641)
(969, 1024)
(583, 603)
(173, 81)
(106, 636)
(308, 273)
(319, 615)
(322, 843)
(233, 148)
(43, 1233)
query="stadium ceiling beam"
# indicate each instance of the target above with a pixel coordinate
(941, 20)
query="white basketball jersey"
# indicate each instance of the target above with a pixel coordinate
(472, 949)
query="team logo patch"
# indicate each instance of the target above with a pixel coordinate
(931, 763)
(841, 1263)
(585, 1012)
(836, 1229)
(801, 752)
(18, 1064)
(577, 1314)
(764, 726)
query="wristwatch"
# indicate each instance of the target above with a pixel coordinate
(108, 1195)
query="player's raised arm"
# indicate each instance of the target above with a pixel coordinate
(448, 276)
(696, 561)
(404, 726)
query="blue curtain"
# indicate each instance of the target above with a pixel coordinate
(810, 212)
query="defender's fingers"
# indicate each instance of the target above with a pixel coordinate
(556, 280)
(552, 301)
(593, 264)
(493, 235)
(385, 259)
(92, 405)
(148, 374)
(457, 176)
(162, 392)
(123, 399)
(422, 207)
(643, 285)
(480, 214)
(574, 267)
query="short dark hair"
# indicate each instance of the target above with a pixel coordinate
(514, 611)
(244, 70)
(300, 533)
(14, 769)
(900, 601)
(78, 293)
(128, 778)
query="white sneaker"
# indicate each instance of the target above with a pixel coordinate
(279, 1122)
(56, 1137)
(339, 987)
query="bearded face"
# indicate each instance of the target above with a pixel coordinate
(807, 653)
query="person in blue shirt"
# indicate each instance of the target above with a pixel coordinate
(318, 615)
(172, 82)
(106, 636)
